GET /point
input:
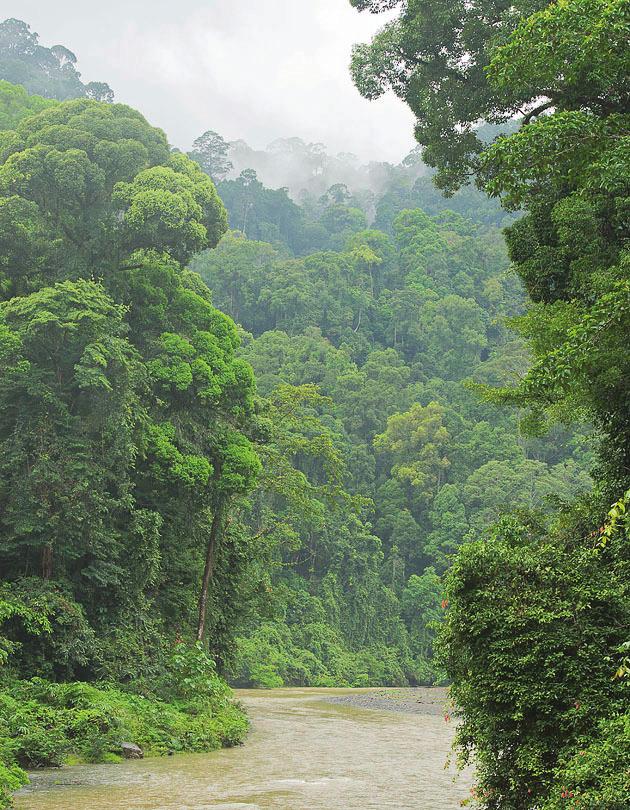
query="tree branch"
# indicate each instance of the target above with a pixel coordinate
(537, 110)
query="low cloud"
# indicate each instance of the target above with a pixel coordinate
(251, 69)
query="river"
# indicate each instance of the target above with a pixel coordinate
(303, 753)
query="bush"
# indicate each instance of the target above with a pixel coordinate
(45, 724)
(62, 645)
(12, 778)
(531, 623)
(190, 674)
(598, 775)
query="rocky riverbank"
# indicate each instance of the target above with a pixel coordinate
(418, 700)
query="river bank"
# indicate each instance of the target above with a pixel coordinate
(309, 749)
(416, 700)
(45, 725)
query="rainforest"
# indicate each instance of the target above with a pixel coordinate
(280, 418)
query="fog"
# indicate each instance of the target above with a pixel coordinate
(256, 70)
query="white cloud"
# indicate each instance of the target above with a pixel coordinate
(251, 69)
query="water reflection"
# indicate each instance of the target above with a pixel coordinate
(303, 754)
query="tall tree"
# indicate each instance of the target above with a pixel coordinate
(434, 56)
(125, 409)
(48, 72)
(211, 152)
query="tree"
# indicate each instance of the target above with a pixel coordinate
(99, 91)
(125, 409)
(70, 405)
(338, 194)
(449, 527)
(420, 603)
(48, 72)
(98, 182)
(568, 170)
(35, 622)
(434, 56)
(414, 444)
(198, 457)
(262, 213)
(172, 208)
(211, 152)
(236, 466)
(524, 484)
(16, 103)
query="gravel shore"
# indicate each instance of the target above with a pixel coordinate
(418, 700)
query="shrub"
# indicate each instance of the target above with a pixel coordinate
(45, 724)
(598, 775)
(12, 778)
(531, 621)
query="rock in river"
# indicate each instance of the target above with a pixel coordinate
(131, 751)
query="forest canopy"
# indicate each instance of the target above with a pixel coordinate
(545, 608)
(49, 72)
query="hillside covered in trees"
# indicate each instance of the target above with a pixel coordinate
(536, 636)
(397, 457)
(276, 418)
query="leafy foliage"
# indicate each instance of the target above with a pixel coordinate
(541, 609)
(165, 520)
(43, 724)
(373, 479)
(531, 621)
(48, 72)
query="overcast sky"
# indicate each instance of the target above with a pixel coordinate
(251, 69)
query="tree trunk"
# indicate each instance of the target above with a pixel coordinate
(47, 562)
(208, 570)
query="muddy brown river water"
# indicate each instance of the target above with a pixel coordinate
(303, 753)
